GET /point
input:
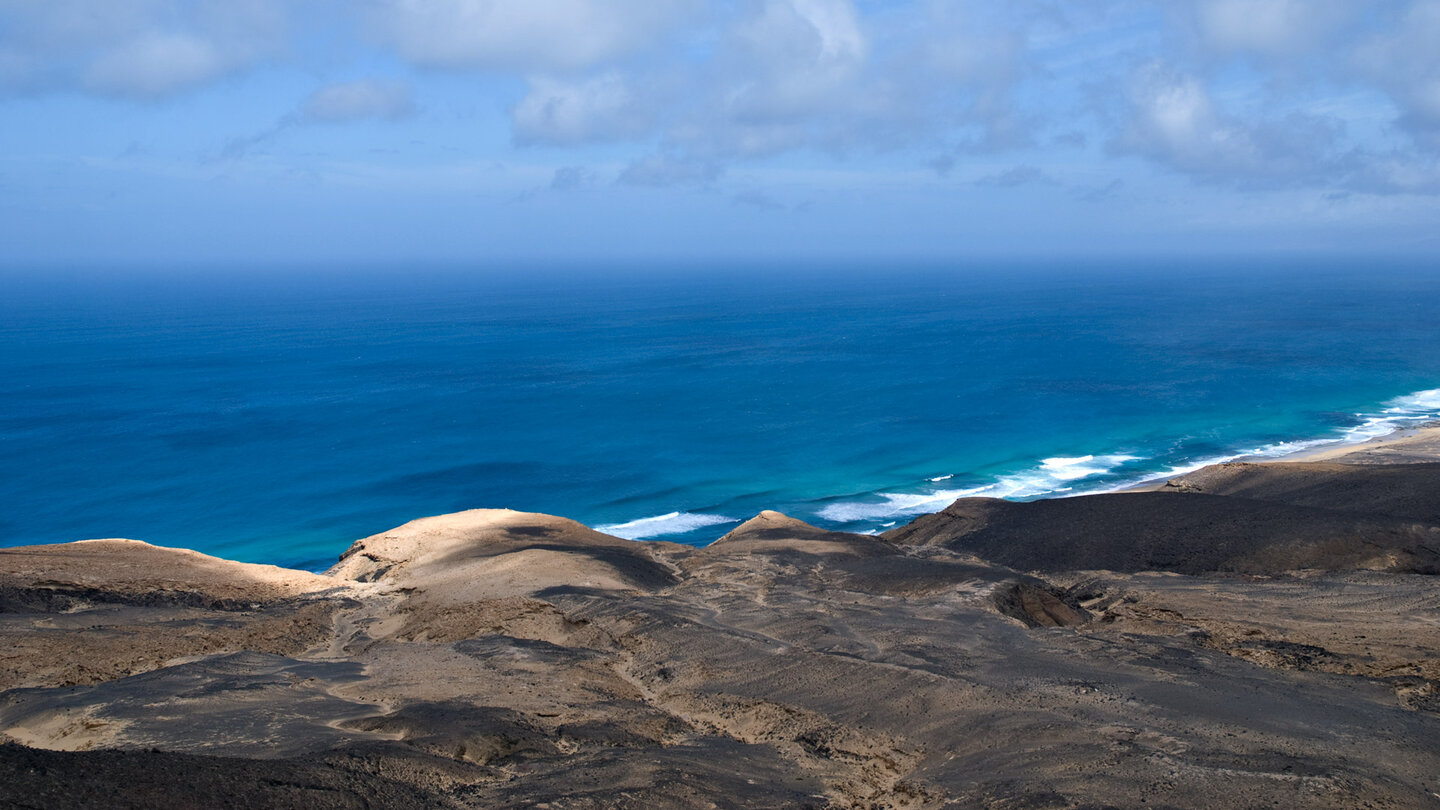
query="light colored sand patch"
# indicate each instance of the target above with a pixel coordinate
(135, 567)
(70, 729)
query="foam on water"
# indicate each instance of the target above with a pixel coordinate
(892, 504)
(225, 416)
(661, 525)
(1401, 413)
(1182, 469)
(1049, 477)
(1062, 476)
(1073, 469)
(1420, 401)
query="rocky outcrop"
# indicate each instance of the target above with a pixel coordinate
(1102, 651)
(1187, 533)
(1406, 491)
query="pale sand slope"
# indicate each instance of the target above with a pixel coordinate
(1417, 444)
(502, 659)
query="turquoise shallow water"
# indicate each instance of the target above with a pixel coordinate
(277, 417)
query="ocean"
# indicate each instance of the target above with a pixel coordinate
(276, 417)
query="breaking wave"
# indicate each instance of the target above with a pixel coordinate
(1058, 476)
(661, 525)
(1052, 476)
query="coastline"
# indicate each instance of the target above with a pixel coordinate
(1406, 445)
(1067, 477)
(291, 474)
(1250, 633)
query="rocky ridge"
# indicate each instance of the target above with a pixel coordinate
(1243, 637)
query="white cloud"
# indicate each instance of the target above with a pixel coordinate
(1405, 62)
(155, 65)
(600, 108)
(365, 99)
(1224, 91)
(1272, 27)
(1175, 115)
(773, 76)
(1322, 94)
(525, 36)
(977, 66)
(133, 48)
(779, 75)
(1174, 119)
(358, 100)
(835, 22)
(796, 56)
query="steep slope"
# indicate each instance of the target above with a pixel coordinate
(1182, 533)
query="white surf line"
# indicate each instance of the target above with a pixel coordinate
(660, 525)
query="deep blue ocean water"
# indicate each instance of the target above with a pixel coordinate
(277, 417)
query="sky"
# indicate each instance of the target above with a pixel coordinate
(189, 133)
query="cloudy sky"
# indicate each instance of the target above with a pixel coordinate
(203, 132)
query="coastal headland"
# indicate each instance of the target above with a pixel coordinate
(1245, 635)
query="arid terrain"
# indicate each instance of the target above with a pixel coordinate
(1248, 635)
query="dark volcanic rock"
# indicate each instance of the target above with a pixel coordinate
(1183, 533)
(1038, 605)
(496, 659)
(1410, 491)
(155, 780)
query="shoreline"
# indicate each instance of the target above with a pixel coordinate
(1402, 417)
(1406, 445)
(1128, 649)
(1420, 442)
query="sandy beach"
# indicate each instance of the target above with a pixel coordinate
(1243, 635)
(1414, 445)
